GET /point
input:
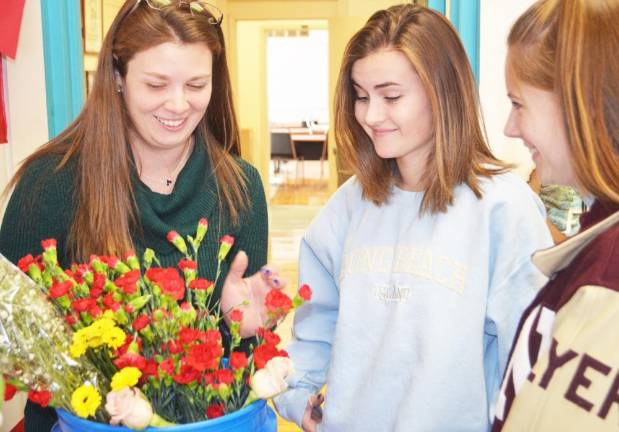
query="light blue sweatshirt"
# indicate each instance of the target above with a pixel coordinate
(412, 317)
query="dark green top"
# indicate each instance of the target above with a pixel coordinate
(42, 207)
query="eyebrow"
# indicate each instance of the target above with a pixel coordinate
(161, 76)
(378, 86)
(512, 96)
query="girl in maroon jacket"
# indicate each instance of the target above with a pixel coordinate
(563, 80)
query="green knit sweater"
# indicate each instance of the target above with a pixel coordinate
(42, 207)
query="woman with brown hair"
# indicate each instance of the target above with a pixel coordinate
(155, 149)
(562, 74)
(420, 264)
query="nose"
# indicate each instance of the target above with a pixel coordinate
(375, 112)
(177, 101)
(511, 126)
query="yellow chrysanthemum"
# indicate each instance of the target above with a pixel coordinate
(89, 336)
(115, 337)
(102, 332)
(77, 349)
(108, 314)
(126, 377)
(85, 401)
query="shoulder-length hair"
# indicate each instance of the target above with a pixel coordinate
(460, 153)
(106, 212)
(571, 47)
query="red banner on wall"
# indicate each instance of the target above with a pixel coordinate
(10, 21)
(3, 123)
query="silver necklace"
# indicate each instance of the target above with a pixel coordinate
(171, 178)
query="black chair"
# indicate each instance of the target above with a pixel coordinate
(281, 148)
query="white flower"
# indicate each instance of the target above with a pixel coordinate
(129, 407)
(271, 380)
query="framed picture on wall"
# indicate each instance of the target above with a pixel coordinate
(93, 25)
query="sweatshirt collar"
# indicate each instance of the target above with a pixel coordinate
(598, 219)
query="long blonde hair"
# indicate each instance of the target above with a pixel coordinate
(460, 153)
(571, 47)
(106, 212)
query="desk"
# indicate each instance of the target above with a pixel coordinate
(297, 139)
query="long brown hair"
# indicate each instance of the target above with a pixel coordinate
(460, 153)
(571, 47)
(106, 212)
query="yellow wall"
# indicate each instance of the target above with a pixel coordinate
(252, 93)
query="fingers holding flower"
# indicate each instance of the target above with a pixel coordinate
(248, 294)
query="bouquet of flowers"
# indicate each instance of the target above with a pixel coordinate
(131, 343)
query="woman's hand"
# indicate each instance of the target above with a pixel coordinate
(313, 413)
(248, 294)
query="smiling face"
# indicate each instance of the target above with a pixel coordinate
(537, 119)
(393, 108)
(167, 90)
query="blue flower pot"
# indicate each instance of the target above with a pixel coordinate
(258, 417)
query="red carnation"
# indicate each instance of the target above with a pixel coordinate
(200, 284)
(60, 289)
(238, 360)
(172, 236)
(305, 292)
(186, 375)
(225, 244)
(128, 281)
(150, 369)
(212, 337)
(188, 335)
(227, 239)
(40, 397)
(80, 271)
(98, 282)
(265, 352)
(110, 303)
(49, 244)
(186, 264)
(278, 303)
(225, 376)
(167, 366)
(95, 311)
(204, 356)
(83, 305)
(95, 292)
(140, 322)
(24, 263)
(271, 338)
(70, 319)
(112, 261)
(9, 391)
(215, 410)
(175, 347)
(236, 315)
(169, 281)
(130, 359)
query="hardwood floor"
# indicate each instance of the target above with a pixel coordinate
(294, 202)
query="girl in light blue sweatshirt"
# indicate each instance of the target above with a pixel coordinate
(420, 263)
